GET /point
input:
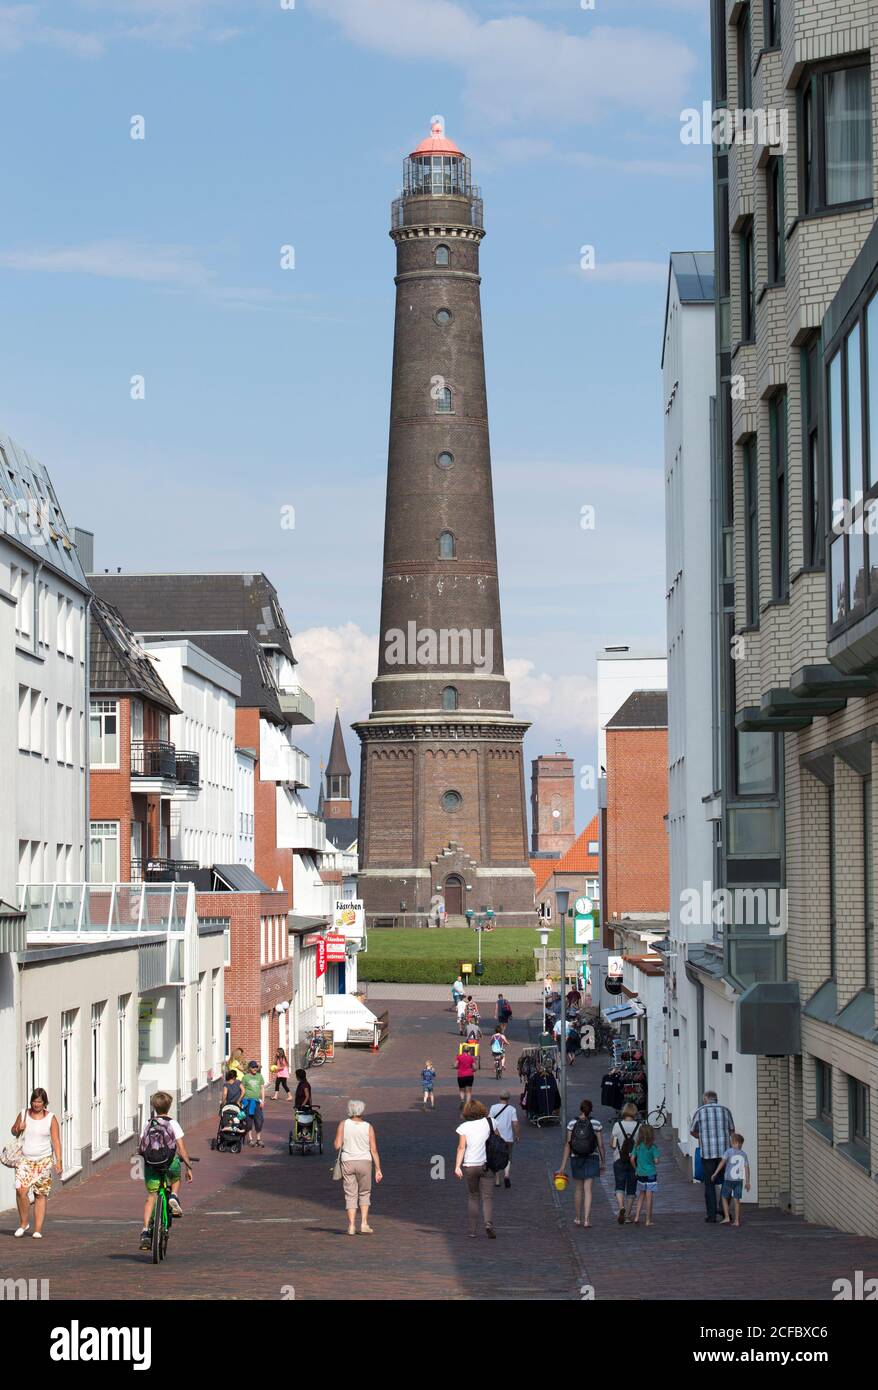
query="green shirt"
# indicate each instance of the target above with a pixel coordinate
(253, 1084)
(645, 1156)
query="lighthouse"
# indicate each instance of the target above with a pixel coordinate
(442, 796)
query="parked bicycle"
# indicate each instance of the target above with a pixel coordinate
(659, 1115)
(317, 1050)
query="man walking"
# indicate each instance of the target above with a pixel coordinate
(712, 1126)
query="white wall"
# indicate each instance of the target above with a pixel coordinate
(618, 676)
(244, 809)
(203, 829)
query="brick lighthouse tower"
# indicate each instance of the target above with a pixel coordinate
(442, 798)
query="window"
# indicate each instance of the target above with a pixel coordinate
(832, 881)
(103, 733)
(871, 354)
(754, 764)
(443, 316)
(450, 698)
(33, 1042)
(754, 831)
(123, 1119)
(776, 221)
(68, 1089)
(443, 256)
(451, 801)
(868, 884)
(777, 412)
(751, 539)
(444, 401)
(814, 524)
(745, 248)
(771, 24)
(104, 851)
(836, 146)
(98, 1138)
(823, 1086)
(445, 459)
(446, 546)
(745, 63)
(859, 1119)
(719, 48)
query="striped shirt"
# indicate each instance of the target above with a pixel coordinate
(713, 1124)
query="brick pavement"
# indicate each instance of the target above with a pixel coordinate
(260, 1224)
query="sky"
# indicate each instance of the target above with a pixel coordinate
(261, 375)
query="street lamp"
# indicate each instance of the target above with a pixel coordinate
(543, 933)
(562, 898)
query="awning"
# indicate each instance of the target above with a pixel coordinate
(632, 1008)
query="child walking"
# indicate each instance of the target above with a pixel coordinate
(735, 1178)
(644, 1161)
(428, 1077)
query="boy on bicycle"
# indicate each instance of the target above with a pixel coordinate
(161, 1104)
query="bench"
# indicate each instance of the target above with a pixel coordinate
(361, 1037)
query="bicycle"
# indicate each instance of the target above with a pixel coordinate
(316, 1054)
(160, 1224)
(657, 1117)
(499, 1065)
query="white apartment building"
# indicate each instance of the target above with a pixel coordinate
(43, 667)
(204, 829)
(701, 1003)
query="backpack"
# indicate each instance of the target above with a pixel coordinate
(628, 1143)
(158, 1145)
(496, 1151)
(496, 1047)
(583, 1140)
(504, 1012)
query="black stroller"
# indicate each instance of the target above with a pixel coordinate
(231, 1129)
(307, 1131)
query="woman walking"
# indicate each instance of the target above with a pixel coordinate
(40, 1138)
(470, 1165)
(357, 1150)
(465, 1065)
(585, 1151)
(281, 1073)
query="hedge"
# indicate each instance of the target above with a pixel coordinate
(441, 970)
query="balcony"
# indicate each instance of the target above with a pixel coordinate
(188, 769)
(280, 760)
(296, 827)
(158, 870)
(153, 759)
(297, 705)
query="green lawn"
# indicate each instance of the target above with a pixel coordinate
(434, 955)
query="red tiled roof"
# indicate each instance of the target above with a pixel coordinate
(577, 860)
(543, 870)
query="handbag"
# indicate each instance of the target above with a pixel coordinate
(11, 1154)
(336, 1167)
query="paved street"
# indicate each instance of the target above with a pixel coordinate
(262, 1224)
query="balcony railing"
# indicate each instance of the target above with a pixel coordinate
(188, 769)
(153, 758)
(296, 704)
(158, 870)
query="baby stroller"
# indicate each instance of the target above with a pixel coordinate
(231, 1130)
(307, 1131)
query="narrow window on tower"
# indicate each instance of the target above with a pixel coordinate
(450, 698)
(444, 401)
(446, 546)
(443, 256)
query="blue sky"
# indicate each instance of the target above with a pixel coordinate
(268, 126)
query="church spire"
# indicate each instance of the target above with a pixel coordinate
(337, 777)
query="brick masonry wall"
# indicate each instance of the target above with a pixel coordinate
(251, 989)
(637, 802)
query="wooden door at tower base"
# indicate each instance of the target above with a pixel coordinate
(454, 895)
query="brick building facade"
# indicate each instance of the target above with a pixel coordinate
(553, 825)
(635, 867)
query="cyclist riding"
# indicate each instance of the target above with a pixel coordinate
(499, 1045)
(162, 1149)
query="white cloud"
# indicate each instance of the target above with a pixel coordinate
(562, 702)
(338, 665)
(517, 69)
(21, 25)
(166, 267)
